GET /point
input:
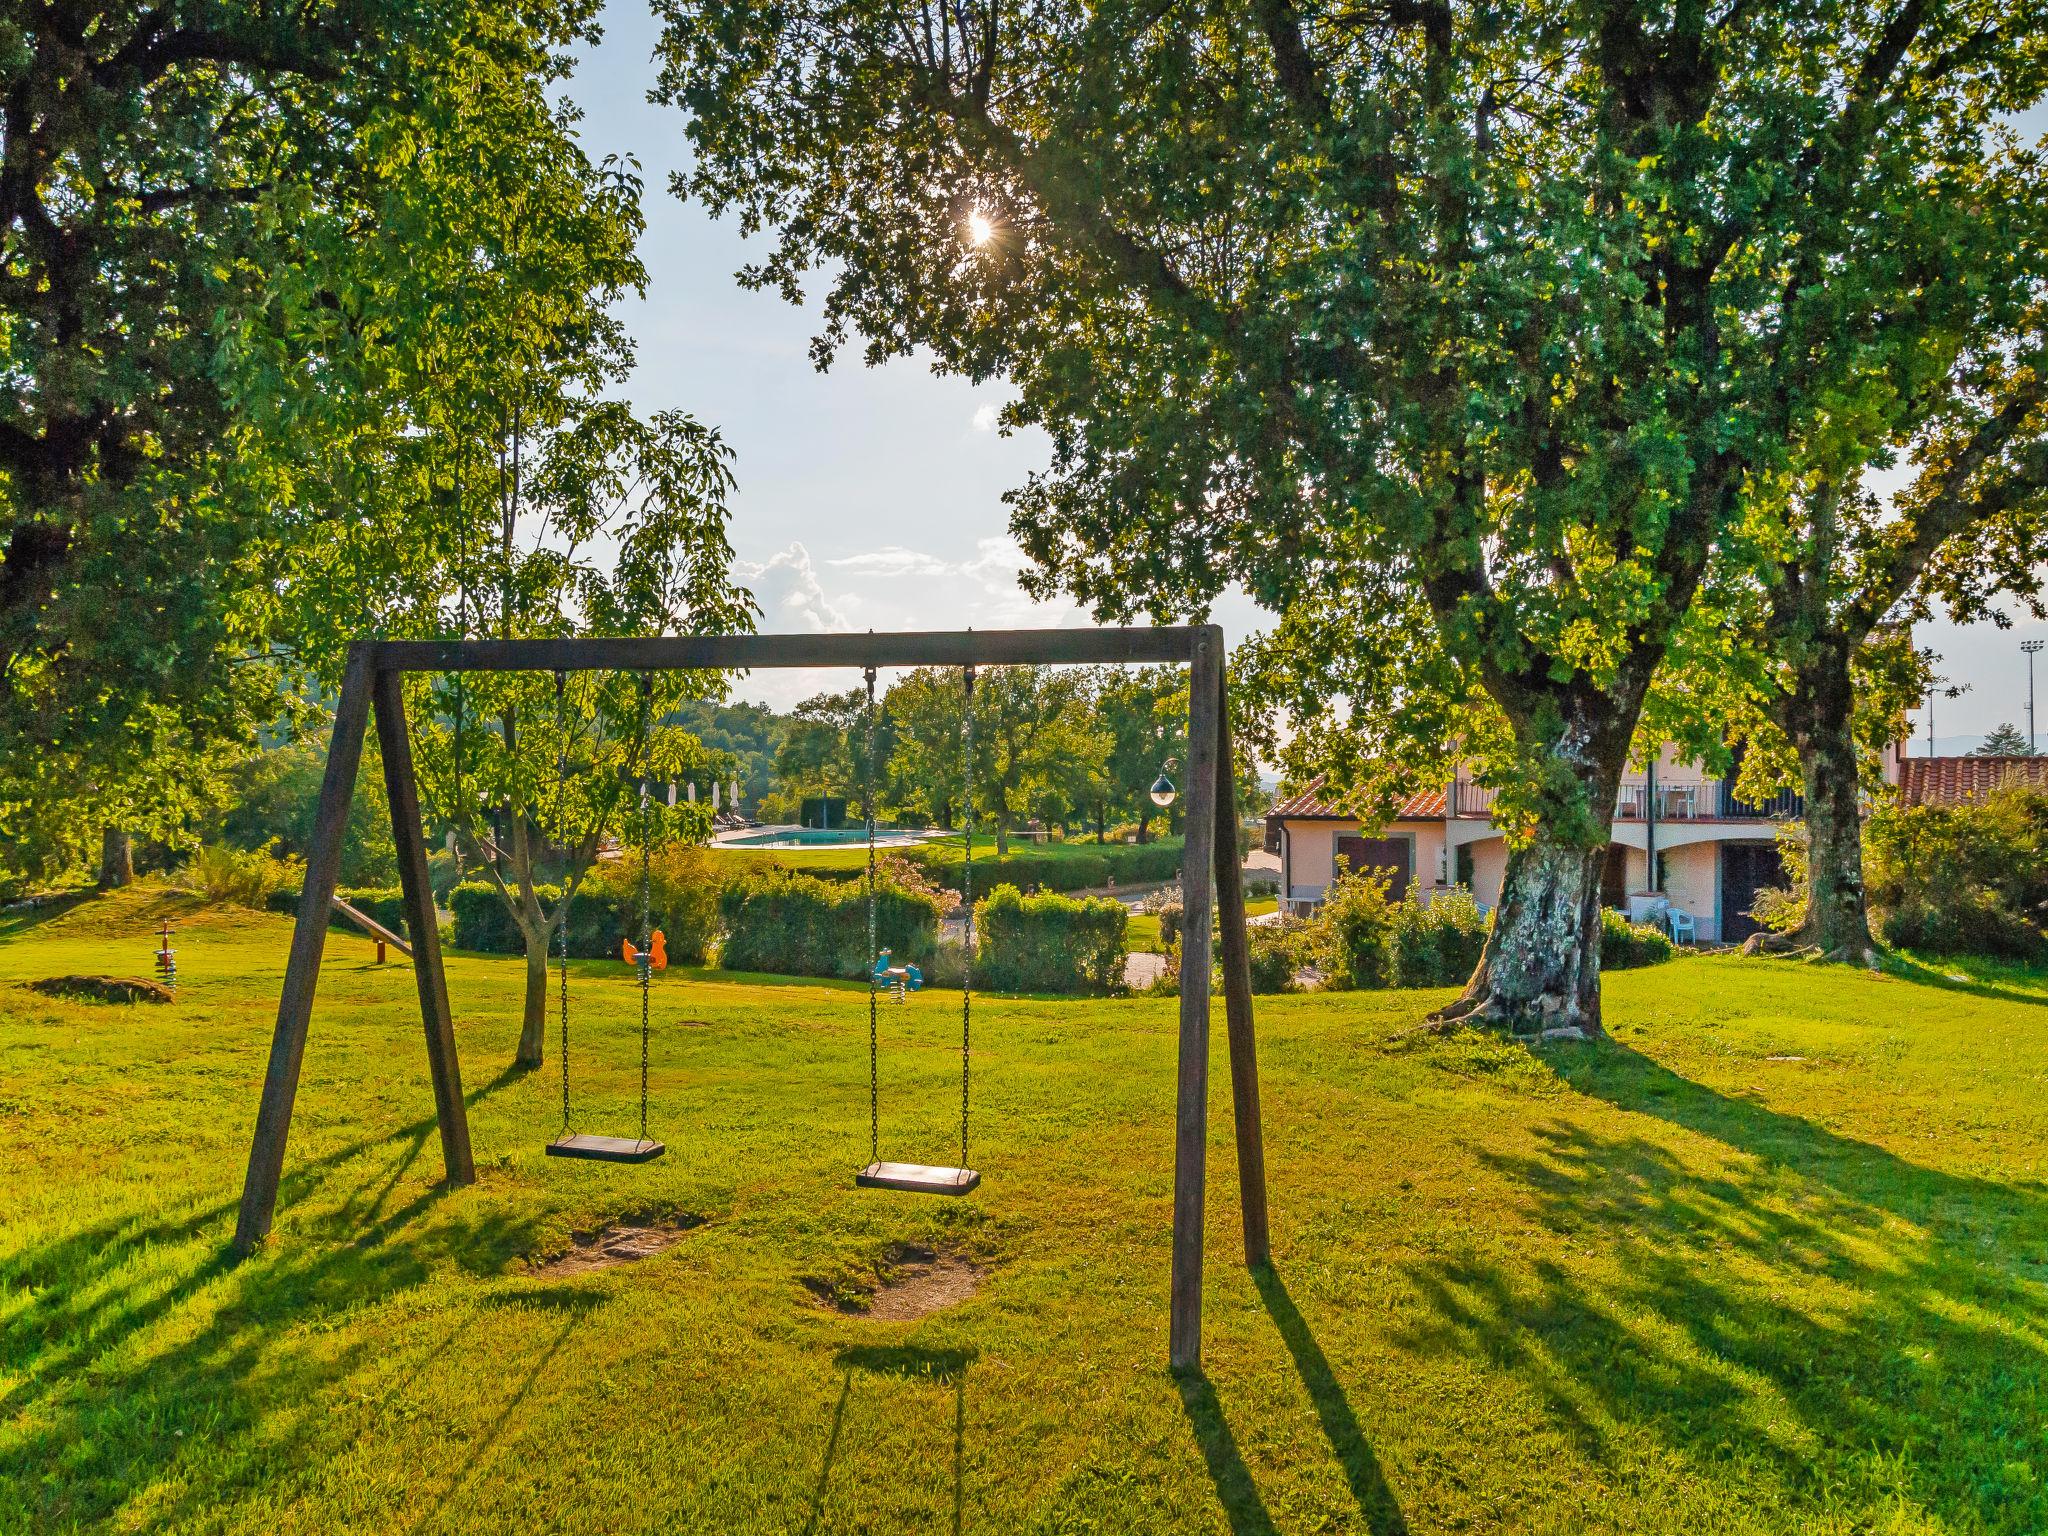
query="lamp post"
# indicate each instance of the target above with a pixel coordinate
(2031, 647)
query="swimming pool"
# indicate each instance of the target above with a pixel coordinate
(823, 837)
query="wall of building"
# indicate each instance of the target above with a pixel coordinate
(1692, 883)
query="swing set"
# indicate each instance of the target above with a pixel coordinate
(371, 686)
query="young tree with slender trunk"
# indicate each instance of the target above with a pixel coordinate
(1516, 307)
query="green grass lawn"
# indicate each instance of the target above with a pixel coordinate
(1773, 1259)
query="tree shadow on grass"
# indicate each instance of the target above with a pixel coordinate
(1908, 969)
(109, 1412)
(1850, 1331)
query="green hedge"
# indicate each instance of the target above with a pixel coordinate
(793, 924)
(602, 916)
(1139, 864)
(1049, 943)
(381, 905)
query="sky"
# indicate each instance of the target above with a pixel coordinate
(871, 498)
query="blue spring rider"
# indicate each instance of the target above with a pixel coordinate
(897, 980)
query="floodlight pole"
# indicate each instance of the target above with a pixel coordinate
(2031, 647)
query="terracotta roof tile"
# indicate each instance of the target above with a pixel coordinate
(1965, 780)
(1424, 805)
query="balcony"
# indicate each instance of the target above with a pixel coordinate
(1675, 800)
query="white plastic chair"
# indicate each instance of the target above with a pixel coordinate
(1682, 928)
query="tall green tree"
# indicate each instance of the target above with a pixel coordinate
(926, 709)
(1145, 712)
(475, 476)
(823, 750)
(1495, 317)
(2008, 740)
(1036, 741)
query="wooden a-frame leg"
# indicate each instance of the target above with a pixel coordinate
(1237, 998)
(302, 968)
(395, 746)
(1191, 1114)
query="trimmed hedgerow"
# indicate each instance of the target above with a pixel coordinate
(382, 905)
(1049, 942)
(791, 924)
(682, 901)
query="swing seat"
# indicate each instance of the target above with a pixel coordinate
(917, 1178)
(606, 1149)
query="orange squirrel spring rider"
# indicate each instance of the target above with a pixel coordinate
(655, 956)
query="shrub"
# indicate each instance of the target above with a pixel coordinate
(1049, 943)
(1277, 951)
(795, 925)
(244, 876)
(1965, 879)
(1437, 945)
(1351, 928)
(682, 893)
(1625, 945)
(1169, 926)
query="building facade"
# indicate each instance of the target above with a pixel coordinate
(1681, 839)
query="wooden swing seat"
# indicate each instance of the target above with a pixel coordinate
(606, 1149)
(917, 1178)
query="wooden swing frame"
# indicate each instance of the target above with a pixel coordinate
(1211, 878)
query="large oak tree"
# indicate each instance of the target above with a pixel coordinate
(1496, 314)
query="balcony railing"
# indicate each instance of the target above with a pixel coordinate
(1684, 800)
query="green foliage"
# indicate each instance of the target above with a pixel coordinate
(1437, 945)
(1352, 926)
(1466, 386)
(243, 876)
(790, 924)
(1072, 868)
(273, 795)
(1277, 952)
(1964, 879)
(2008, 740)
(1625, 945)
(683, 892)
(1049, 943)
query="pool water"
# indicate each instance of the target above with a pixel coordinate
(818, 837)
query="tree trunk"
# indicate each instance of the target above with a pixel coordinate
(1817, 717)
(117, 859)
(1540, 969)
(533, 1022)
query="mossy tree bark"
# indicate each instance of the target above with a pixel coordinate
(1817, 717)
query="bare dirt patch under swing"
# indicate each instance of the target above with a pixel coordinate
(622, 1242)
(915, 1282)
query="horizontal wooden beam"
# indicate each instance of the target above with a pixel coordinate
(663, 653)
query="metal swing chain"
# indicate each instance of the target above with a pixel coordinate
(967, 897)
(646, 916)
(874, 1089)
(568, 888)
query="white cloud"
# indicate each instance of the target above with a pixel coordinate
(893, 563)
(985, 418)
(786, 586)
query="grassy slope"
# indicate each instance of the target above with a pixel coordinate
(1665, 1284)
